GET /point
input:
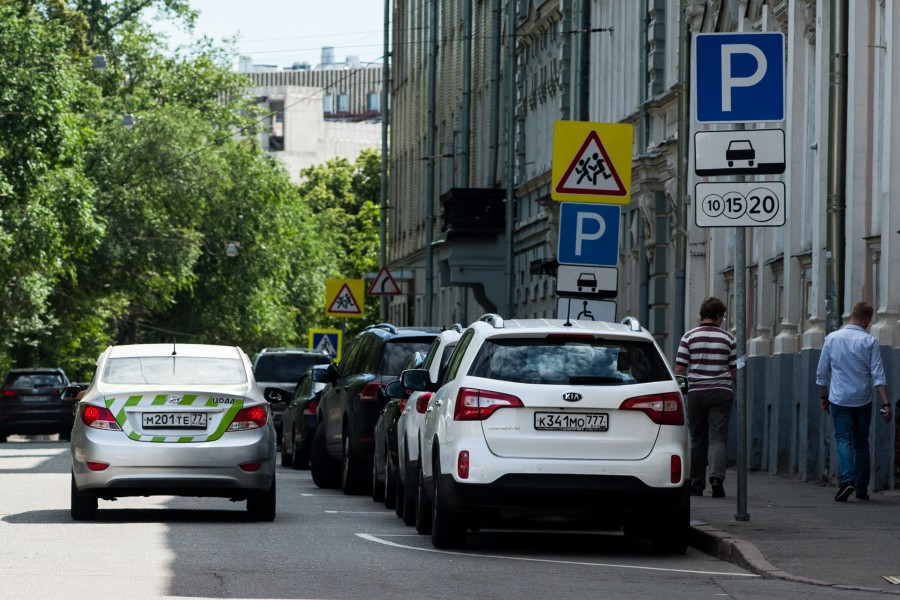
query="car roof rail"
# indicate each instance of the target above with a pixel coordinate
(632, 323)
(455, 327)
(386, 326)
(494, 319)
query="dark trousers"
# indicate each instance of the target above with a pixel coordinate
(708, 412)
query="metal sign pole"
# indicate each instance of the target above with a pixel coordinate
(740, 296)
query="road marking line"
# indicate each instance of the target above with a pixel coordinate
(354, 512)
(372, 538)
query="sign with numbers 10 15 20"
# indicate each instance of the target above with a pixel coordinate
(739, 204)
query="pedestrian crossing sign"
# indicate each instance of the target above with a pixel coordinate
(344, 298)
(326, 341)
(592, 162)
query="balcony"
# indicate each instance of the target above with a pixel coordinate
(473, 212)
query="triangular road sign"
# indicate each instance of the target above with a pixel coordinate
(591, 172)
(344, 303)
(384, 284)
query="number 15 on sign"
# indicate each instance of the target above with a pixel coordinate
(750, 204)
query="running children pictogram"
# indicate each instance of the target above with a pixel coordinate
(592, 162)
(591, 171)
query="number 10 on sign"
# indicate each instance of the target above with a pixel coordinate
(733, 204)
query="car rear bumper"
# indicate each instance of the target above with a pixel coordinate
(36, 422)
(182, 469)
(614, 494)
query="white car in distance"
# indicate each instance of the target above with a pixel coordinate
(552, 421)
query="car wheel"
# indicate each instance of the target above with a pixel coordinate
(448, 529)
(399, 491)
(423, 507)
(262, 507)
(287, 458)
(324, 469)
(672, 535)
(2, 438)
(84, 506)
(410, 489)
(390, 488)
(65, 435)
(377, 486)
(354, 480)
(301, 454)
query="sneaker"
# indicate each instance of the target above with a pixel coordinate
(843, 492)
(718, 490)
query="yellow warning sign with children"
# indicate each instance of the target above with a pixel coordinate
(592, 162)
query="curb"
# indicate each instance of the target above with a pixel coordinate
(723, 546)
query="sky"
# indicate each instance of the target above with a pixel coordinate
(282, 32)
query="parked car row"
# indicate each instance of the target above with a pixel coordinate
(537, 423)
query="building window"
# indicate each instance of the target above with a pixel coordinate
(276, 137)
(328, 103)
(374, 103)
(343, 103)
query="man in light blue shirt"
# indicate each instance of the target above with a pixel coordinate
(849, 367)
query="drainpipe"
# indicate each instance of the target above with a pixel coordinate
(681, 210)
(510, 153)
(496, 42)
(837, 157)
(385, 82)
(429, 173)
(466, 109)
(582, 93)
(643, 140)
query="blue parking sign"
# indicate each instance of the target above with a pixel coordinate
(738, 77)
(588, 234)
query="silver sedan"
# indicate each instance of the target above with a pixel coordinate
(175, 420)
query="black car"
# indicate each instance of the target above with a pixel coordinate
(282, 368)
(31, 403)
(344, 441)
(298, 424)
(384, 463)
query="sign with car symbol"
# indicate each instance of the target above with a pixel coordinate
(587, 281)
(742, 152)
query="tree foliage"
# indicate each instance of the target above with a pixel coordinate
(117, 235)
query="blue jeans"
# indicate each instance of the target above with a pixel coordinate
(851, 430)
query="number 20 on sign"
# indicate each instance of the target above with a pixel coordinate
(750, 204)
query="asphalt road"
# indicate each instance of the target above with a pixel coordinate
(322, 545)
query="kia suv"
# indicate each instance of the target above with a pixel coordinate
(552, 421)
(344, 441)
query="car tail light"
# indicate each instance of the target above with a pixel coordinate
(422, 402)
(369, 392)
(462, 464)
(96, 466)
(99, 417)
(9, 394)
(663, 409)
(478, 405)
(250, 467)
(253, 417)
(312, 406)
(675, 476)
(581, 337)
(402, 404)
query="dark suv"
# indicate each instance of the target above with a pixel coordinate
(30, 403)
(283, 368)
(351, 402)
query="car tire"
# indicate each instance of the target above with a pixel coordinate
(377, 486)
(423, 507)
(399, 491)
(390, 487)
(2, 438)
(324, 469)
(65, 435)
(301, 454)
(672, 535)
(287, 458)
(84, 506)
(448, 529)
(262, 506)
(410, 489)
(354, 480)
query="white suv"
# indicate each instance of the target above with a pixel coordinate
(410, 423)
(555, 421)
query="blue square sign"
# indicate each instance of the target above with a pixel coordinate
(588, 234)
(738, 77)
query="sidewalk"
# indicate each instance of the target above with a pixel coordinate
(799, 533)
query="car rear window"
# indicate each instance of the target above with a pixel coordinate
(397, 353)
(569, 360)
(33, 380)
(175, 370)
(285, 367)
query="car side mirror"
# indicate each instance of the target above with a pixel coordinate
(69, 392)
(319, 375)
(417, 380)
(274, 395)
(332, 374)
(682, 383)
(395, 389)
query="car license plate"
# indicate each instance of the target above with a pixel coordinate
(558, 421)
(182, 420)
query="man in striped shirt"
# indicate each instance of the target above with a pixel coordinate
(707, 354)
